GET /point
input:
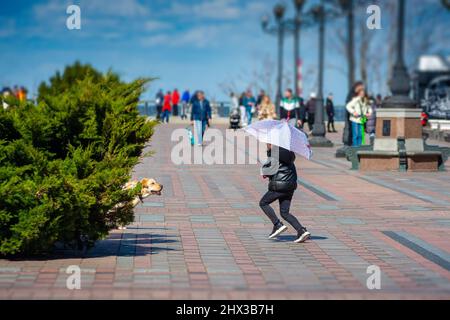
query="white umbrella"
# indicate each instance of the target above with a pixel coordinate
(281, 133)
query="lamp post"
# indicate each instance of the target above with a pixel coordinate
(318, 133)
(297, 26)
(347, 6)
(278, 29)
(400, 83)
(279, 14)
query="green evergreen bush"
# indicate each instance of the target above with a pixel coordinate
(64, 161)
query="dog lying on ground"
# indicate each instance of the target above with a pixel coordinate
(149, 187)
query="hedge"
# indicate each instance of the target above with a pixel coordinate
(63, 162)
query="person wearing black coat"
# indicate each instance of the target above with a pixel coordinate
(330, 113)
(282, 173)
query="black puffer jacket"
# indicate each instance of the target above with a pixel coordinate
(283, 177)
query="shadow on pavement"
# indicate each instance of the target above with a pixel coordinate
(290, 238)
(120, 245)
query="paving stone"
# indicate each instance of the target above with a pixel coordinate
(197, 205)
(153, 204)
(251, 219)
(352, 221)
(206, 237)
(150, 218)
(202, 219)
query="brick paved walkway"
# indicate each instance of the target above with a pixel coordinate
(205, 237)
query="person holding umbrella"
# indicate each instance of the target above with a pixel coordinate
(282, 141)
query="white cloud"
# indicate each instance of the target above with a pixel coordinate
(99, 18)
(257, 7)
(218, 9)
(203, 36)
(7, 28)
(116, 8)
(210, 9)
(122, 8)
(157, 25)
(157, 40)
(198, 37)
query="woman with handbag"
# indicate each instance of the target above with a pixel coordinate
(360, 110)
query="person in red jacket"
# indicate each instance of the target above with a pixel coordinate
(424, 119)
(175, 101)
(167, 107)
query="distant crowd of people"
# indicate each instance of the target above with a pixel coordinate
(171, 103)
(20, 93)
(292, 108)
(361, 109)
(196, 104)
(360, 106)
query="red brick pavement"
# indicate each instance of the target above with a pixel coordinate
(206, 238)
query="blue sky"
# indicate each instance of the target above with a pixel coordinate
(185, 43)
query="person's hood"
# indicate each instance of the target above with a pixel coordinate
(285, 156)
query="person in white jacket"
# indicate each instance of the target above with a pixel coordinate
(360, 110)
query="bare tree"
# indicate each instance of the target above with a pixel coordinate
(261, 77)
(425, 32)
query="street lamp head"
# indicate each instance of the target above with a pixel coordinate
(317, 11)
(279, 11)
(299, 4)
(344, 4)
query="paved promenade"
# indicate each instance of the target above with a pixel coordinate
(206, 238)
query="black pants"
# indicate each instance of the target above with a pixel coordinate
(311, 121)
(285, 203)
(158, 112)
(330, 123)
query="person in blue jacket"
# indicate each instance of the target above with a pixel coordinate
(200, 116)
(249, 102)
(185, 98)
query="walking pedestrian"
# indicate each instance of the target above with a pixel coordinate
(282, 174)
(200, 117)
(290, 109)
(175, 102)
(234, 101)
(6, 93)
(249, 102)
(235, 116)
(167, 107)
(266, 109)
(330, 113)
(372, 121)
(185, 103)
(159, 101)
(359, 110)
(16, 91)
(259, 99)
(311, 110)
(358, 85)
(242, 110)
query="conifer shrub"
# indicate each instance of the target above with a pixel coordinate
(63, 162)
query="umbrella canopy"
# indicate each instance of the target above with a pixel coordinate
(281, 133)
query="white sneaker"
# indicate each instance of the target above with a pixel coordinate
(277, 230)
(303, 236)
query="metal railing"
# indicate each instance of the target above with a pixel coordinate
(219, 109)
